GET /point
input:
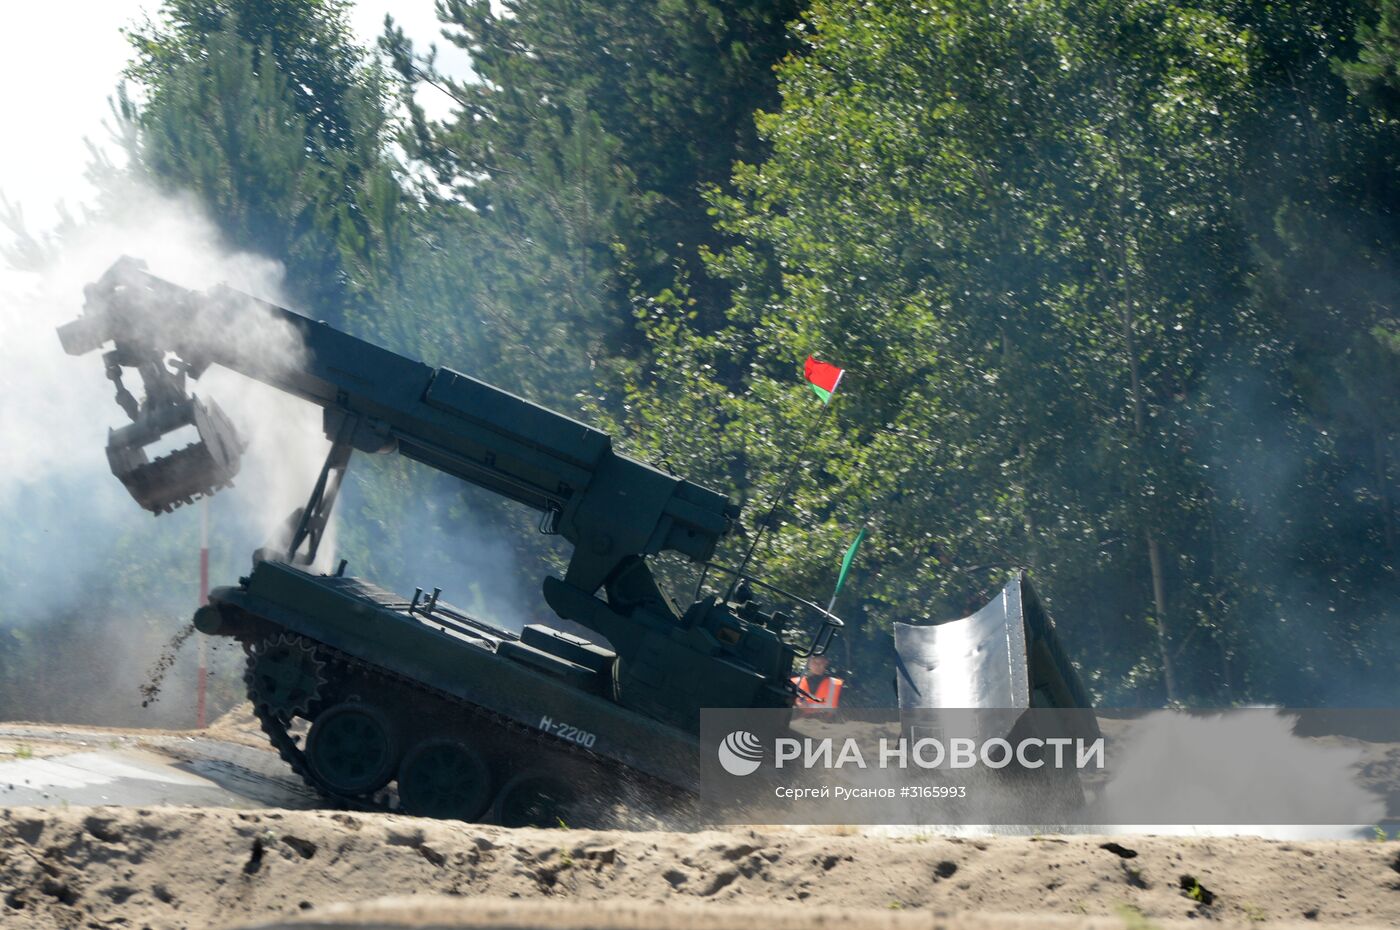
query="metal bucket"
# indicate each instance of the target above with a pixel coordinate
(181, 476)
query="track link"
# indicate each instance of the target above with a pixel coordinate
(342, 668)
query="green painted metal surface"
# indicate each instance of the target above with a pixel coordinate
(637, 702)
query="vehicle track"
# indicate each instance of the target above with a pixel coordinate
(610, 792)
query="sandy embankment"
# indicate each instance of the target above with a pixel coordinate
(175, 867)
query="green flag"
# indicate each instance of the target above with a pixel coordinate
(846, 561)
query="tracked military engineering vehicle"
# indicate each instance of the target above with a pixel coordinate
(411, 703)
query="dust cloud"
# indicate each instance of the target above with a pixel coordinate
(90, 583)
(1235, 772)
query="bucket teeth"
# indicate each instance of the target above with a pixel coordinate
(183, 476)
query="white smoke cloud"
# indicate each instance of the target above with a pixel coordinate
(55, 409)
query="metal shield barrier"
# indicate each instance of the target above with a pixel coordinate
(1006, 655)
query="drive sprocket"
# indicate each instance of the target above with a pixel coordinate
(286, 675)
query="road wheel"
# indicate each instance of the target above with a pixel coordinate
(352, 748)
(536, 799)
(444, 778)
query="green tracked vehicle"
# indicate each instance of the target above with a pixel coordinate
(386, 702)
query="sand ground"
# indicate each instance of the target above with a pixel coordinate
(182, 867)
(155, 866)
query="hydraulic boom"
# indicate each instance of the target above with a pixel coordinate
(614, 510)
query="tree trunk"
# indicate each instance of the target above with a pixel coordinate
(1383, 493)
(1154, 549)
(1159, 601)
(1127, 303)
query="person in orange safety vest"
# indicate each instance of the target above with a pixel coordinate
(824, 688)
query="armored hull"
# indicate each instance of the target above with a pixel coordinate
(381, 702)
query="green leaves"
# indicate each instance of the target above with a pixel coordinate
(1019, 227)
(1375, 74)
(1113, 281)
(275, 120)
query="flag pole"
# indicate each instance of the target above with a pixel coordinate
(830, 606)
(779, 497)
(846, 562)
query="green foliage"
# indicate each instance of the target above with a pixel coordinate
(1375, 74)
(983, 213)
(1113, 283)
(587, 137)
(1010, 223)
(306, 42)
(1308, 424)
(273, 118)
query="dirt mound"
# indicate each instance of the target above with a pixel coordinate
(237, 726)
(173, 867)
(438, 913)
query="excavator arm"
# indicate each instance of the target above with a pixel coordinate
(616, 511)
(612, 508)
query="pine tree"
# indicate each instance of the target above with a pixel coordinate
(279, 124)
(661, 96)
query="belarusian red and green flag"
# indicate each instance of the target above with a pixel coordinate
(823, 377)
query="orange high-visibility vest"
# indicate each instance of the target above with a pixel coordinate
(828, 693)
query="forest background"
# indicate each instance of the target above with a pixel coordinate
(1114, 283)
